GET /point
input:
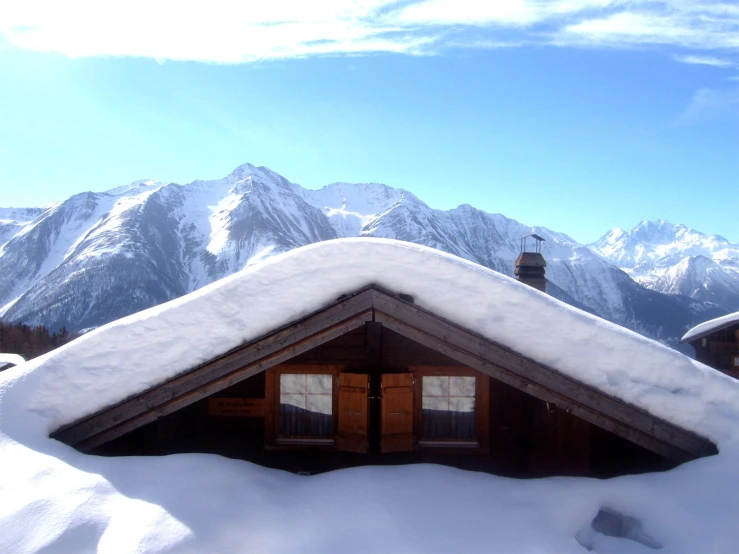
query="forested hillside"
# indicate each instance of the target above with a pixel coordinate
(29, 342)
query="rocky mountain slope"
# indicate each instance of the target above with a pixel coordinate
(96, 257)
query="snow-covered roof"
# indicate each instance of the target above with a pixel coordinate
(711, 326)
(58, 499)
(10, 359)
(133, 354)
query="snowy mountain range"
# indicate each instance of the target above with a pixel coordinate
(675, 259)
(95, 257)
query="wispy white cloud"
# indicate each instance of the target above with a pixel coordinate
(705, 60)
(230, 31)
(448, 12)
(507, 13)
(709, 104)
(214, 31)
(686, 28)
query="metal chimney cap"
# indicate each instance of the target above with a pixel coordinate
(538, 240)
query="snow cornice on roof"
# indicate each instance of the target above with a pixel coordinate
(708, 327)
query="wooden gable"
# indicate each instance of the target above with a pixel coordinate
(399, 314)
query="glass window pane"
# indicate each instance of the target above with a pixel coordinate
(462, 426)
(448, 408)
(436, 386)
(291, 383)
(436, 403)
(462, 404)
(292, 420)
(434, 428)
(320, 404)
(318, 425)
(319, 384)
(306, 405)
(295, 400)
(461, 386)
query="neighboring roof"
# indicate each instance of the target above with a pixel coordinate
(130, 356)
(10, 360)
(708, 327)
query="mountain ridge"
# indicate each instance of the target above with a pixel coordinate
(97, 256)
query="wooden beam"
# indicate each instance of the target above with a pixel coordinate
(218, 374)
(540, 381)
(373, 341)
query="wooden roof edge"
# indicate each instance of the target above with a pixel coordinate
(362, 297)
(352, 303)
(697, 445)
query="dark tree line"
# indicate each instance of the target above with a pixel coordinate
(29, 342)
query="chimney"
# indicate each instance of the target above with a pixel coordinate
(530, 265)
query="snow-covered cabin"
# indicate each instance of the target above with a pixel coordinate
(122, 384)
(716, 343)
(360, 351)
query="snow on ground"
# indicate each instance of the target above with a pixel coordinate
(710, 326)
(55, 499)
(14, 359)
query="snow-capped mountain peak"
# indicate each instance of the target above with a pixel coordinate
(98, 256)
(135, 187)
(676, 259)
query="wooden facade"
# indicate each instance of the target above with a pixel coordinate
(719, 348)
(374, 379)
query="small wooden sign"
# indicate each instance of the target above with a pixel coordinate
(236, 407)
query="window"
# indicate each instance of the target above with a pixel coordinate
(321, 405)
(448, 408)
(306, 405)
(451, 408)
(300, 406)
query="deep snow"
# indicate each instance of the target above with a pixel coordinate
(55, 499)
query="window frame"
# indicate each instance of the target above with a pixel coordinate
(482, 411)
(272, 405)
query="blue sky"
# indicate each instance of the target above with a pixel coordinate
(578, 115)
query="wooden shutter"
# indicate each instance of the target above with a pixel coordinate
(397, 412)
(353, 413)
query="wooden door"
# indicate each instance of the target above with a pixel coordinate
(397, 412)
(353, 422)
